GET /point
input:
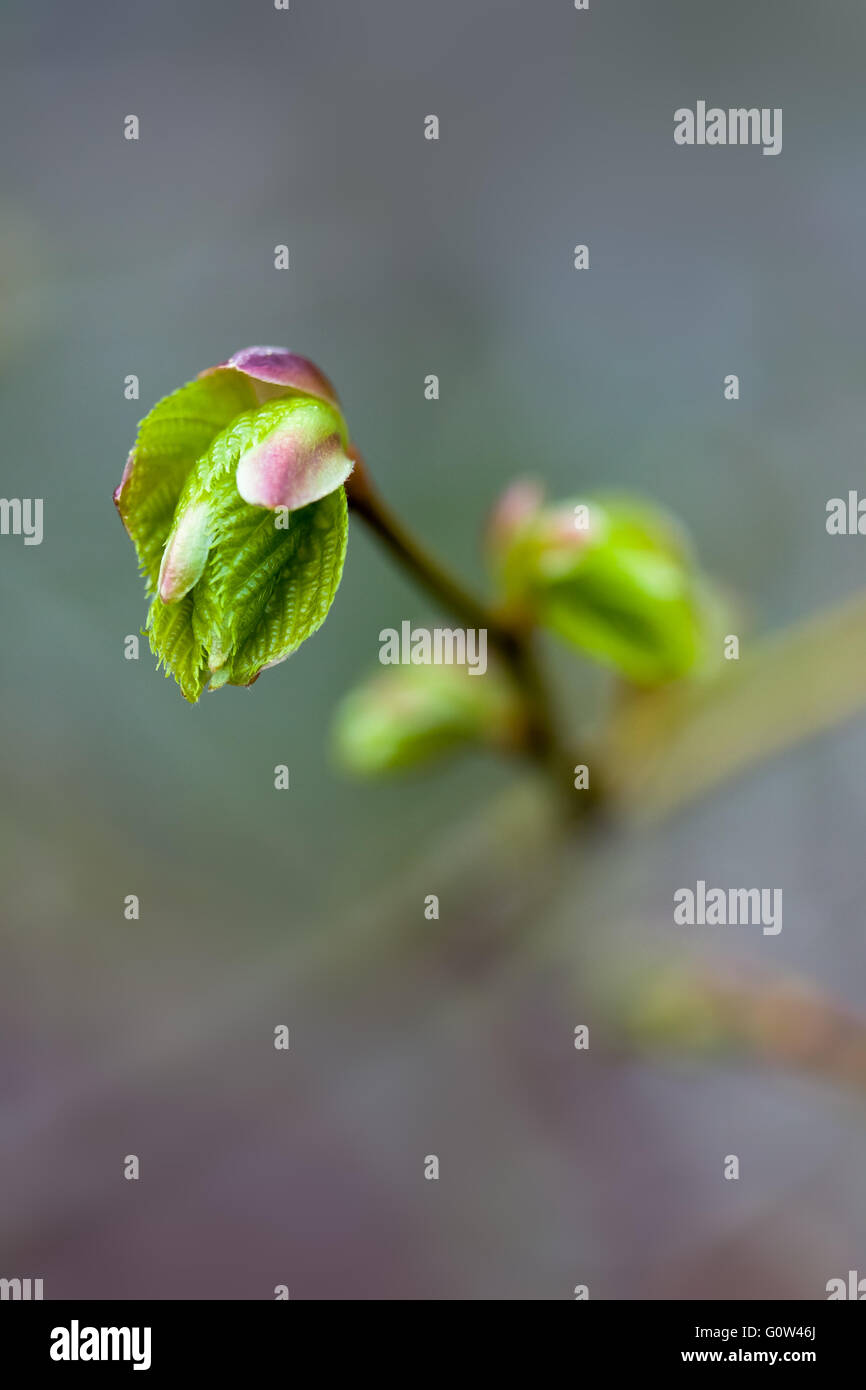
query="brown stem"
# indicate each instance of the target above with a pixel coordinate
(513, 643)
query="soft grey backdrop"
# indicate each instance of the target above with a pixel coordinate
(411, 257)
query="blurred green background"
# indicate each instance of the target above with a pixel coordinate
(411, 1037)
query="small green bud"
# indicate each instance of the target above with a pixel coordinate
(407, 716)
(612, 576)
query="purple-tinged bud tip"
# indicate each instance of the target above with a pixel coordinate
(127, 473)
(518, 505)
(299, 462)
(274, 370)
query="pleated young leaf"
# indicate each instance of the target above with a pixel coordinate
(251, 583)
(233, 497)
(173, 640)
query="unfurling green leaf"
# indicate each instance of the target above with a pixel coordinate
(409, 715)
(170, 439)
(257, 602)
(610, 575)
(233, 496)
